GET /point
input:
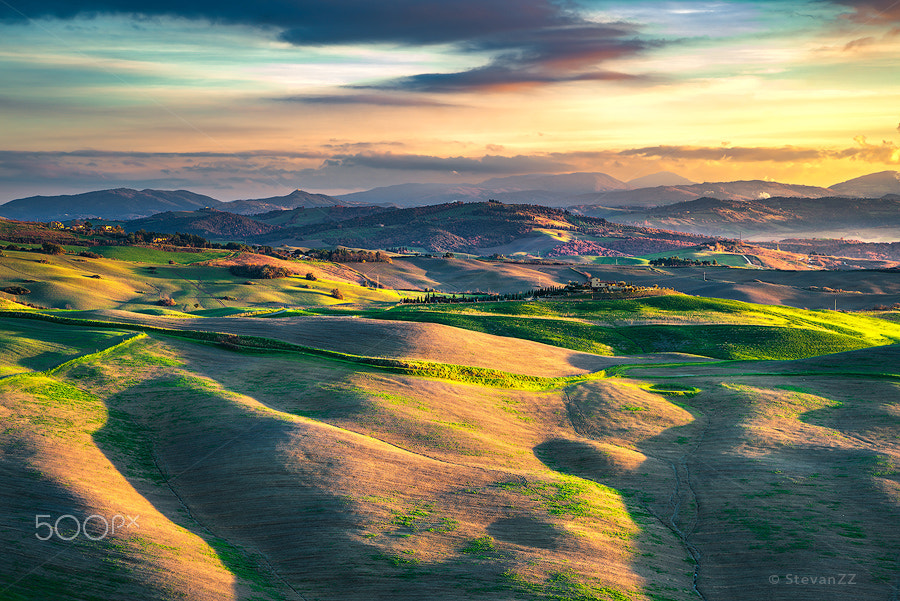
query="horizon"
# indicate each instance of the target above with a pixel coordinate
(237, 102)
(338, 195)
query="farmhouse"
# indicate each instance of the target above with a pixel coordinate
(604, 286)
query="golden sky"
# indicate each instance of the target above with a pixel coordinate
(241, 100)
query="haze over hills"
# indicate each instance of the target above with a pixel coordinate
(663, 178)
(874, 185)
(119, 203)
(296, 199)
(870, 218)
(552, 190)
(741, 190)
(127, 204)
(590, 193)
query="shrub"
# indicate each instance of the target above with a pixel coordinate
(336, 293)
(88, 254)
(166, 302)
(52, 248)
(311, 277)
(16, 290)
(260, 272)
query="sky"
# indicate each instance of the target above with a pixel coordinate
(254, 99)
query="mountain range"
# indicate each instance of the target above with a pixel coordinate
(123, 204)
(588, 192)
(869, 218)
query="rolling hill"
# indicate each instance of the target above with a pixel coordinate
(308, 457)
(211, 224)
(474, 227)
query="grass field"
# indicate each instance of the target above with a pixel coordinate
(66, 281)
(156, 256)
(369, 450)
(715, 328)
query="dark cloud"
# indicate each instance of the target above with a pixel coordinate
(318, 22)
(6, 155)
(368, 99)
(537, 56)
(528, 42)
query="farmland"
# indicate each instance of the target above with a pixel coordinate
(286, 444)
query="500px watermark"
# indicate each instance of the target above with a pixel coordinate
(93, 527)
(810, 580)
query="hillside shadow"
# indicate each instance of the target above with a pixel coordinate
(51, 550)
(748, 515)
(279, 500)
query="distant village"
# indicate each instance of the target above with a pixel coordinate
(593, 289)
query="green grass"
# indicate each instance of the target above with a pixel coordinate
(139, 254)
(33, 346)
(556, 332)
(722, 329)
(254, 344)
(726, 259)
(741, 342)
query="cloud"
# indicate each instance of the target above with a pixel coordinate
(718, 153)
(871, 11)
(245, 174)
(529, 43)
(571, 52)
(26, 173)
(887, 152)
(488, 164)
(858, 44)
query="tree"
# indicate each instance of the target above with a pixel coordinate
(311, 276)
(51, 248)
(336, 293)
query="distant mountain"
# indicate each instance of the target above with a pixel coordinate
(474, 227)
(410, 195)
(545, 189)
(741, 190)
(874, 185)
(565, 183)
(117, 204)
(655, 180)
(297, 198)
(211, 224)
(580, 190)
(775, 216)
